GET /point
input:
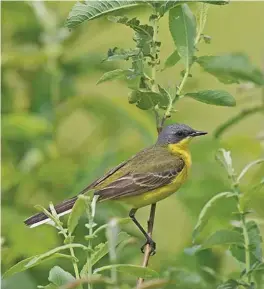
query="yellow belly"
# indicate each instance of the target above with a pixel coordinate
(154, 196)
(151, 197)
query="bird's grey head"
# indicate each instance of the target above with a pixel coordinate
(175, 133)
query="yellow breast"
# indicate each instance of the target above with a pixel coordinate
(151, 197)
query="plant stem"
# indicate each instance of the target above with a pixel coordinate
(159, 124)
(185, 77)
(74, 263)
(247, 243)
(241, 115)
(89, 263)
(148, 248)
(244, 227)
(202, 16)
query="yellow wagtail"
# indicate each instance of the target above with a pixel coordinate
(146, 178)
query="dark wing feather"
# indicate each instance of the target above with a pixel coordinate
(134, 184)
(103, 178)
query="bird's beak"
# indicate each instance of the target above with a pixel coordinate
(198, 133)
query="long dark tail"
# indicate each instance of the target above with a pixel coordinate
(61, 209)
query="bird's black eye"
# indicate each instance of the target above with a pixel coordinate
(180, 133)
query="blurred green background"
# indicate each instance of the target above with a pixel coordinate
(60, 130)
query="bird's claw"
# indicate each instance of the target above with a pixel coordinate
(152, 245)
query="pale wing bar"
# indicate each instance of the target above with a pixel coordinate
(137, 183)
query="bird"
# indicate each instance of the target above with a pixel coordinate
(146, 178)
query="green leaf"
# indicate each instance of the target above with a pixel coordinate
(215, 97)
(229, 284)
(121, 54)
(247, 167)
(184, 279)
(223, 237)
(60, 277)
(206, 211)
(101, 250)
(30, 262)
(255, 242)
(172, 59)
(51, 215)
(115, 74)
(18, 126)
(147, 99)
(133, 270)
(164, 6)
(41, 257)
(183, 31)
(231, 68)
(93, 9)
(143, 33)
(77, 211)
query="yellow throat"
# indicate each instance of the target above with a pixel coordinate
(181, 149)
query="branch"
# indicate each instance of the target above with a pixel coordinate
(148, 248)
(244, 113)
(159, 125)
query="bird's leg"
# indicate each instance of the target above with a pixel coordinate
(148, 238)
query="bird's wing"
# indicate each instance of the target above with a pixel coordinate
(101, 180)
(133, 183)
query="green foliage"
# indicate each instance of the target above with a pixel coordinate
(215, 97)
(21, 127)
(59, 277)
(207, 211)
(33, 261)
(172, 59)
(255, 244)
(183, 31)
(148, 100)
(231, 68)
(90, 10)
(223, 237)
(77, 211)
(60, 131)
(244, 239)
(114, 74)
(133, 270)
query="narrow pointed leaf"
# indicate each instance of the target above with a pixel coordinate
(23, 265)
(206, 212)
(93, 9)
(172, 59)
(115, 74)
(214, 97)
(183, 31)
(229, 284)
(60, 277)
(77, 211)
(232, 68)
(247, 167)
(223, 237)
(255, 244)
(133, 270)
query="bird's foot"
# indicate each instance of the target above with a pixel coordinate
(152, 245)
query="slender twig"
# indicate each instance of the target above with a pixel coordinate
(244, 113)
(159, 124)
(242, 214)
(74, 263)
(148, 247)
